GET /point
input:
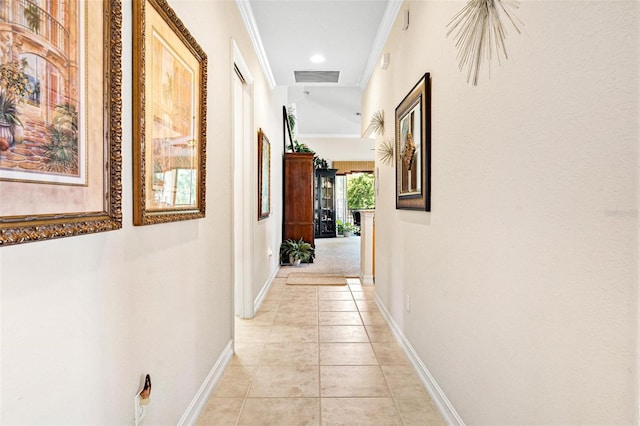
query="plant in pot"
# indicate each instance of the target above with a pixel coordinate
(14, 87)
(9, 119)
(345, 228)
(296, 251)
(320, 163)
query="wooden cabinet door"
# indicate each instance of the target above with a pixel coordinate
(298, 197)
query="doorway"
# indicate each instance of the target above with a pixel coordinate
(354, 191)
(242, 104)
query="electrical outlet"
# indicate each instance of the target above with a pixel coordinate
(269, 252)
(407, 304)
(140, 400)
(138, 410)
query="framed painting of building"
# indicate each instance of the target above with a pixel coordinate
(169, 117)
(264, 176)
(60, 119)
(413, 148)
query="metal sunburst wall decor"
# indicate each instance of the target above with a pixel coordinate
(481, 32)
(377, 122)
(385, 151)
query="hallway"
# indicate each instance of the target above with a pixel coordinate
(318, 355)
(333, 256)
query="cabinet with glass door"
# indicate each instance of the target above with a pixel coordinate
(325, 203)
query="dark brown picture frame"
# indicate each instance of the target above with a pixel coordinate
(413, 148)
(169, 148)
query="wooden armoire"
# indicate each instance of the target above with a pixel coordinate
(298, 197)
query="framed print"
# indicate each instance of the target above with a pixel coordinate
(413, 148)
(169, 118)
(287, 140)
(60, 119)
(264, 176)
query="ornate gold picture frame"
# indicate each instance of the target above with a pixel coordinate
(60, 114)
(169, 118)
(264, 176)
(413, 148)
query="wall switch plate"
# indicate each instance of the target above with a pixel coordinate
(408, 303)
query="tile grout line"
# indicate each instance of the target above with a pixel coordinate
(391, 395)
(318, 343)
(319, 374)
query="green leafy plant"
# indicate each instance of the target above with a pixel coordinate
(361, 192)
(292, 121)
(352, 228)
(14, 82)
(9, 111)
(295, 146)
(320, 163)
(32, 15)
(66, 117)
(301, 147)
(292, 251)
(345, 227)
(61, 153)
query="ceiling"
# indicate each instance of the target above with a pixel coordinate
(349, 34)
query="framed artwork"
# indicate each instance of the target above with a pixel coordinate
(413, 148)
(60, 119)
(169, 117)
(264, 176)
(287, 141)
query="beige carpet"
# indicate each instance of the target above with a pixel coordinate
(315, 279)
(334, 256)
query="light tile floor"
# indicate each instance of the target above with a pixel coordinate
(318, 355)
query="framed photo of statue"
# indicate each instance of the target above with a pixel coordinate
(413, 148)
(60, 119)
(169, 117)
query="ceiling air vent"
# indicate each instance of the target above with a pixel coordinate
(316, 76)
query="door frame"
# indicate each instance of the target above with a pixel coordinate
(242, 202)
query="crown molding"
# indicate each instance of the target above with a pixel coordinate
(386, 23)
(328, 136)
(250, 22)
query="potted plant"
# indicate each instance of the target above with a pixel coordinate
(345, 228)
(296, 251)
(14, 87)
(320, 163)
(350, 228)
(9, 119)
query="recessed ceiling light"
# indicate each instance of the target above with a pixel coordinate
(317, 59)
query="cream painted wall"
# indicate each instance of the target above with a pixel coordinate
(341, 149)
(267, 233)
(525, 297)
(84, 318)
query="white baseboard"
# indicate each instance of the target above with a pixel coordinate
(448, 413)
(263, 292)
(190, 416)
(366, 279)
